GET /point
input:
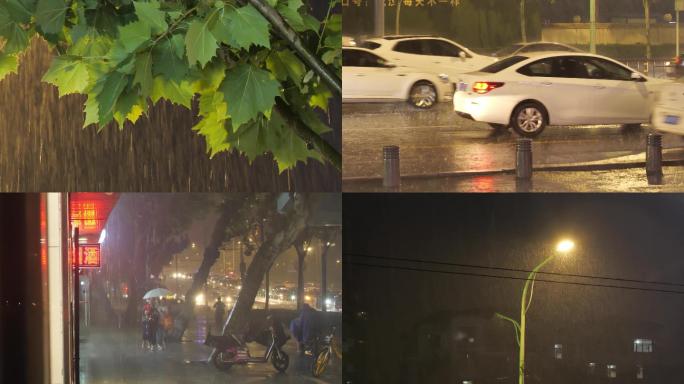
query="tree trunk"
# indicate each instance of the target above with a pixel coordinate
(236, 212)
(301, 255)
(523, 26)
(282, 238)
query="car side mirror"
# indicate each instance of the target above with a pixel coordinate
(389, 65)
(637, 77)
(462, 55)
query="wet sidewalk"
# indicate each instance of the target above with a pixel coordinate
(615, 180)
(114, 356)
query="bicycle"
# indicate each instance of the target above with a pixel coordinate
(322, 353)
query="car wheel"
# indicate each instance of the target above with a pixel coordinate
(529, 119)
(423, 95)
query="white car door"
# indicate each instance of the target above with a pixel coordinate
(449, 57)
(433, 56)
(556, 82)
(368, 76)
(619, 98)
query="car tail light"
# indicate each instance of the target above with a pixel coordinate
(485, 86)
(678, 60)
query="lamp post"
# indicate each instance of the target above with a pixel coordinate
(563, 247)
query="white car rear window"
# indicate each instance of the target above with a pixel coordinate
(503, 64)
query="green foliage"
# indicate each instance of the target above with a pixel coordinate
(128, 55)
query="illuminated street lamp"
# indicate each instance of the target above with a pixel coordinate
(562, 248)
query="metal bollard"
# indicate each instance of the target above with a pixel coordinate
(654, 154)
(523, 159)
(390, 156)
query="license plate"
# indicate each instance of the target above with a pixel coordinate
(462, 86)
(671, 119)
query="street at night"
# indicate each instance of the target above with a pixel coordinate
(477, 288)
(171, 288)
(460, 88)
(437, 143)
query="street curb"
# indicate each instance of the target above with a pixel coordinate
(585, 167)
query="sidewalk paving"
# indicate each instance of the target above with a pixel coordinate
(615, 180)
(114, 356)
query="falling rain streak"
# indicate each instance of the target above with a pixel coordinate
(43, 147)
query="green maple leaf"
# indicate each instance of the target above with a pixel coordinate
(148, 12)
(50, 15)
(112, 87)
(167, 59)
(21, 10)
(286, 146)
(16, 39)
(91, 110)
(176, 92)
(143, 72)
(133, 35)
(290, 13)
(200, 44)
(242, 27)
(248, 91)
(285, 64)
(124, 107)
(252, 139)
(68, 74)
(8, 64)
(213, 128)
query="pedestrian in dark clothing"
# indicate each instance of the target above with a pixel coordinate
(305, 327)
(220, 311)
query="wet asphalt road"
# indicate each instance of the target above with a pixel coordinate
(438, 141)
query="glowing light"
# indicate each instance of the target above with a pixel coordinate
(199, 299)
(307, 298)
(565, 246)
(293, 297)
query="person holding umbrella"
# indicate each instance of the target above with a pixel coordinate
(151, 319)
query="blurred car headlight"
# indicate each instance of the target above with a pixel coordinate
(443, 77)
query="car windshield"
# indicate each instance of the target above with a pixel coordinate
(503, 64)
(507, 51)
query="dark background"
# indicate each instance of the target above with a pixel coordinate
(619, 235)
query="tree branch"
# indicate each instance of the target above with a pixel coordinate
(288, 34)
(308, 135)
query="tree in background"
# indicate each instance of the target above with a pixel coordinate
(144, 232)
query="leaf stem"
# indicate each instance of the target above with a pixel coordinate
(325, 24)
(288, 34)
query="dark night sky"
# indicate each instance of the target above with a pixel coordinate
(619, 235)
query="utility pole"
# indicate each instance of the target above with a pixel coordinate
(379, 18)
(592, 26)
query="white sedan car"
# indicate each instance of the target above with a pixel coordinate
(668, 112)
(428, 53)
(368, 77)
(531, 91)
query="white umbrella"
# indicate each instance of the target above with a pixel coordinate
(157, 292)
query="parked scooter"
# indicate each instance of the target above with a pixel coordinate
(230, 350)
